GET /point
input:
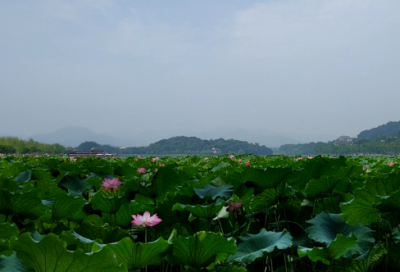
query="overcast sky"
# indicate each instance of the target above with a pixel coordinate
(291, 67)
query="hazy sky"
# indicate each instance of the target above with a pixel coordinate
(292, 67)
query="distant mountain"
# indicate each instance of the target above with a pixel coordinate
(73, 136)
(186, 145)
(267, 138)
(388, 130)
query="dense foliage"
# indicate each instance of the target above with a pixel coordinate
(12, 145)
(249, 213)
(381, 145)
(186, 145)
(298, 149)
(387, 130)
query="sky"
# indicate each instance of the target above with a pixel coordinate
(304, 69)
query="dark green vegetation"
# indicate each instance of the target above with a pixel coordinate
(391, 129)
(320, 214)
(384, 140)
(11, 145)
(382, 145)
(186, 145)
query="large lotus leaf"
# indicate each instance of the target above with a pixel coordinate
(365, 262)
(87, 245)
(164, 182)
(202, 211)
(138, 255)
(220, 166)
(75, 185)
(65, 206)
(8, 230)
(41, 175)
(298, 233)
(25, 204)
(24, 176)
(201, 249)
(254, 246)
(11, 263)
(269, 178)
(4, 245)
(214, 192)
(268, 198)
(325, 227)
(325, 186)
(50, 254)
(362, 208)
(107, 204)
(339, 247)
(390, 202)
(106, 233)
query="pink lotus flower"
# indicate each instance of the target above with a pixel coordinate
(299, 159)
(239, 160)
(206, 159)
(138, 156)
(365, 167)
(155, 159)
(309, 157)
(141, 170)
(111, 184)
(146, 220)
(162, 164)
(232, 157)
(391, 164)
(248, 163)
(233, 206)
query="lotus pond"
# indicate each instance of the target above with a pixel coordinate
(221, 213)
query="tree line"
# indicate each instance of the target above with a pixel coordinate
(14, 145)
(380, 145)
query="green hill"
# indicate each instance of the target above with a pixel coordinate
(186, 145)
(387, 130)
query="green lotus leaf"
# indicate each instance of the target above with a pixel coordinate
(255, 246)
(268, 198)
(202, 211)
(4, 245)
(8, 230)
(75, 185)
(138, 255)
(214, 192)
(365, 262)
(362, 209)
(25, 204)
(105, 233)
(50, 254)
(337, 248)
(201, 249)
(164, 182)
(65, 206)
(107, 204)
(87, 245)
(269, 178)
(390, 202)
(220, 166)
(325, 186)
(325, 227)
(24, 176)
(11, 263)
